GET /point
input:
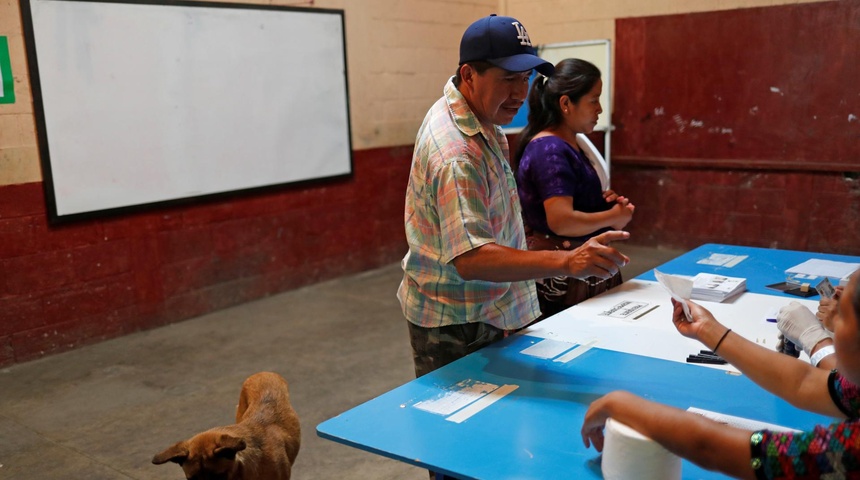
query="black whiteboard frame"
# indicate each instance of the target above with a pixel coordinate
(42, 133)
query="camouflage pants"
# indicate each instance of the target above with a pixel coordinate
(436, 347)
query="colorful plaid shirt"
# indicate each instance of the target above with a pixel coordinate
(827, 452)
(461, 195)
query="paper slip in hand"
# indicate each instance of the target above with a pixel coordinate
(680, 288)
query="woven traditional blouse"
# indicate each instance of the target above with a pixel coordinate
(827, 452)
(549, 168)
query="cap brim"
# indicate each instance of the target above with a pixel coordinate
(523, 62)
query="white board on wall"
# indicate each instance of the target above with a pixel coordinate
(149, 103)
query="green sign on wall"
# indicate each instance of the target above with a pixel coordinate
(7, 90)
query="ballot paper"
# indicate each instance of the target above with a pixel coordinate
(680, 288)
(723, 260)
(716, 288)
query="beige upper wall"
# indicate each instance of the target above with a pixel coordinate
(557, 21)
(399, 52)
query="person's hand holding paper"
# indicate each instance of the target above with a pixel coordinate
(680, 288)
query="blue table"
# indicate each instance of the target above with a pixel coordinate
(532, 432)
(763, 266)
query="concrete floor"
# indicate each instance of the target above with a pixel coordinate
(103, 411)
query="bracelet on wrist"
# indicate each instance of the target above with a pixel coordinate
(721, 340)
(822, 352)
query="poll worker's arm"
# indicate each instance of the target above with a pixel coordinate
(496, 263)
(798, 383)
(828, 359)
(709, 444)
(564, 220)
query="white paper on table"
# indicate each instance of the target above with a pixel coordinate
(723, 260)
(547, 348)
(456, 397)
(824, 268)
(716, 288)
(625, 309)
(654, 335)
(582, 348)
(680, 288)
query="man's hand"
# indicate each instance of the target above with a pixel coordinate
(595, 258)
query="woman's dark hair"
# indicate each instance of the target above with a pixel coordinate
(573, 77)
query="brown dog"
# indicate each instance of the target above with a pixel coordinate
(262, 444)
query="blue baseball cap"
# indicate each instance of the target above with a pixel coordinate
(503, 42)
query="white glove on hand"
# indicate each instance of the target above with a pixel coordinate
(799, 325)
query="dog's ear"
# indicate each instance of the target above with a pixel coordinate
(229, 446)
(177, 453)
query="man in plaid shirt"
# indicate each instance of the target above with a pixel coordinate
(468, 276)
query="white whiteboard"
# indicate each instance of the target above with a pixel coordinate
(143, 103)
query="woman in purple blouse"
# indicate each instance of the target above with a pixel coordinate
(563, 200)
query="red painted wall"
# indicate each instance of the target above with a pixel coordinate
(63, 287)
(741, 126)
(682, 207)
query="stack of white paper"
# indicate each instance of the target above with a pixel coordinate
(716, 288)
(823, 268)
(810, 271)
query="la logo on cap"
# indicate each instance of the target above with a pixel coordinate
(522, 34)
(503, 42)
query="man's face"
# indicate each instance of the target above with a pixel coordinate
(497, 94)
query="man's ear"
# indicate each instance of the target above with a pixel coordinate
(177, 454)
(467, 73)
(229, 446)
